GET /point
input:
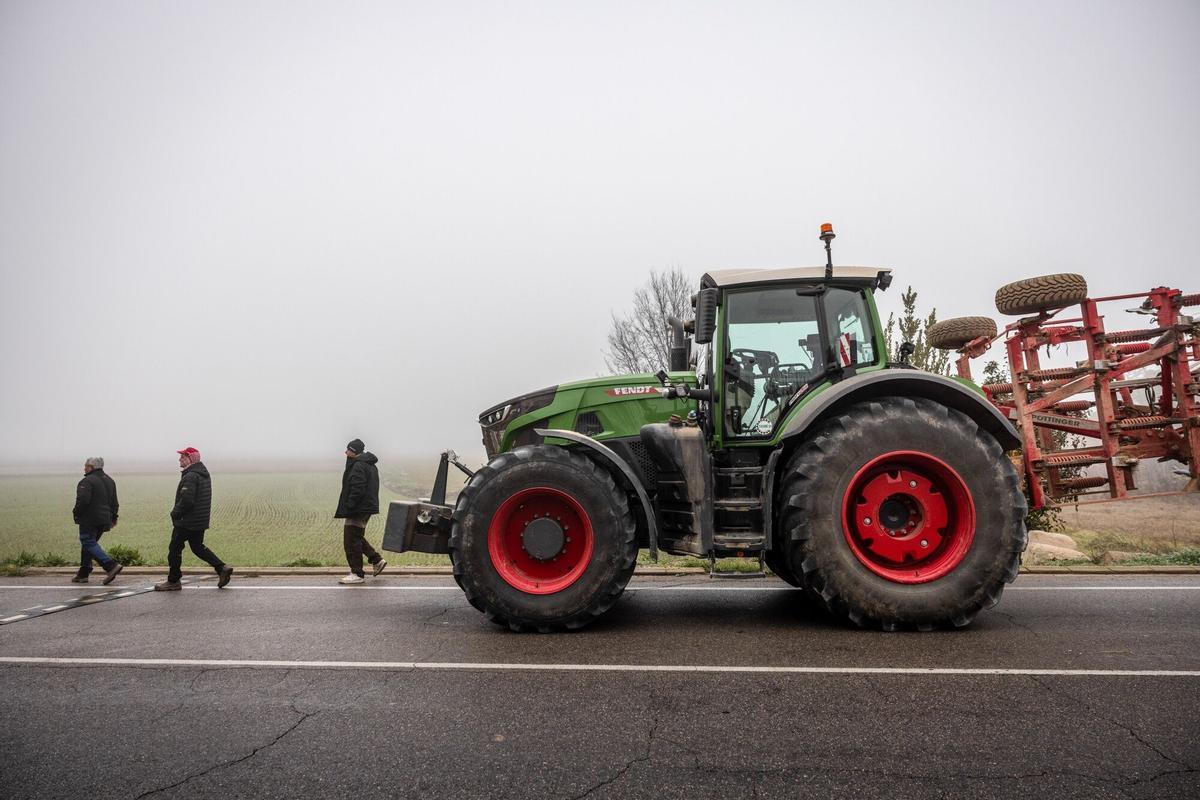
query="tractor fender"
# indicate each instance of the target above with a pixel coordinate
(618, 466)
(905, 383)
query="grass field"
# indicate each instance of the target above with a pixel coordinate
(278, 518)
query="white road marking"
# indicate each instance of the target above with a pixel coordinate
(518, 667)
(631, 588)
(53, 608)
(14, 618)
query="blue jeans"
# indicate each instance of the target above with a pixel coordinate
(89, 541)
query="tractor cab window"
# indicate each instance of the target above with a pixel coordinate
(852, 336)
(773, 350)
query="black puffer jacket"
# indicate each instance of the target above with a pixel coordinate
(96, 501)
(360, 487)
(193, 498)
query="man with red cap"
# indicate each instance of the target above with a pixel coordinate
(190, 516)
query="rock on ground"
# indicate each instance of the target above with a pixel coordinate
(1040, 553)
(1052, 539)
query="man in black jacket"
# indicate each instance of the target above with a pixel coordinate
(358, 501)
(193, 507)
(95, 512)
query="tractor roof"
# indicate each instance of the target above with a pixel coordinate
(745, 277)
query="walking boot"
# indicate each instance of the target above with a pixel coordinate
(226, 572)
(168, 586)
(79, 579)
(112, 572)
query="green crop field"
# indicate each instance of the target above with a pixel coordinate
(259, 518)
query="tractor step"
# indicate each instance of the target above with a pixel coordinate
(738, 542)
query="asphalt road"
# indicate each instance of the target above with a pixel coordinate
(1083, 687)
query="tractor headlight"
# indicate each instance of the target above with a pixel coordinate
(495, 419)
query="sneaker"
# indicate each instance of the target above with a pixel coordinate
(168, 586)
(352, 579)
(226, 573)
(377, 567)
(111, 574)
(79, 579)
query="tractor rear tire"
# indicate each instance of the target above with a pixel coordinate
(951, 334)
(543, 540)
(1043, 293)
(901, 513)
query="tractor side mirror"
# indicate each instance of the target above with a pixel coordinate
(706, 315)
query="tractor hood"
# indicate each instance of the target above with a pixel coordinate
(586, 406)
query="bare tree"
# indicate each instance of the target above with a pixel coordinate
(640, 341)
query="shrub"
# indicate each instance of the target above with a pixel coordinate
(127, 556)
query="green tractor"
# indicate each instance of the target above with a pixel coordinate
(882, 490)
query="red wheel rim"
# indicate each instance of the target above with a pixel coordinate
(547, 565)
(908, 517)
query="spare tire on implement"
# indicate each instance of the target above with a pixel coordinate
(951, 334)
(1043, 293)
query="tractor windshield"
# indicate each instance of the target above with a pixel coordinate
(777, 346)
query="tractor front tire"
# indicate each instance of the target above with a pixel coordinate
(1043, 293)
(901, 513)
(543, 540)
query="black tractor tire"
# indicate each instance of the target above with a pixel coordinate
(820, 489)
(951, 334)
(556, 475)
(1043, 293)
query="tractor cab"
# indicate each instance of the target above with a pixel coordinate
(780, 334)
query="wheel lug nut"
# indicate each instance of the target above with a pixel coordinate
(912, 484)
(924, 543)
(866, 520)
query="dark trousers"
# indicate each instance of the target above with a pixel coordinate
(89, 548)
(354, 539)
(194, 540)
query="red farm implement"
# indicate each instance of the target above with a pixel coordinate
(1131, 396)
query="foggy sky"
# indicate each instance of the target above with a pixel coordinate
(266, 228)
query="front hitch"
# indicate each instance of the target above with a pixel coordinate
(424, 526)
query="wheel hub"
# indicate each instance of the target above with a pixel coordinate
(896, 513)
(540, 540)
(908, 517)
(543, 538)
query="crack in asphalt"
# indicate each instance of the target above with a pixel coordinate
(620, 773)
(240, 759)
(1187, 768)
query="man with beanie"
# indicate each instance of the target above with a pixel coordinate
(95, 512)
(190, 516)
(358, 501)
